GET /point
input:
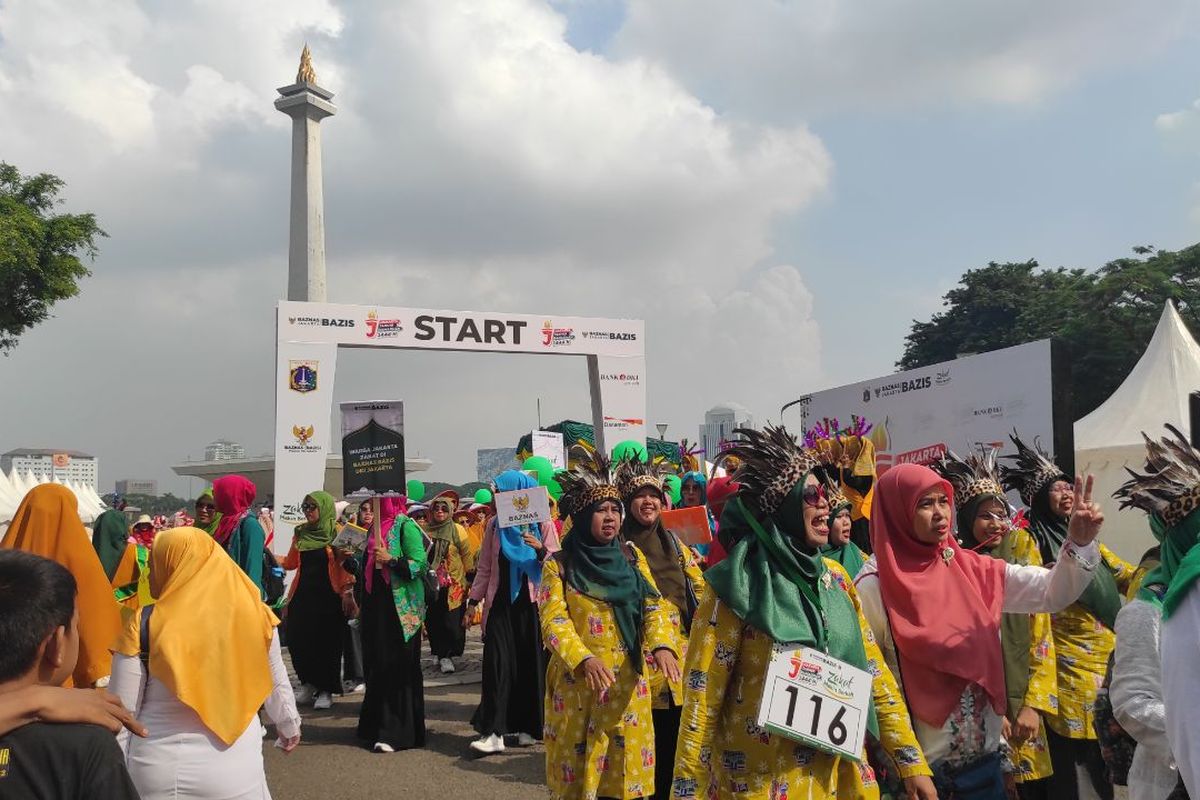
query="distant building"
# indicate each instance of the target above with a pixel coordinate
(137, 486)
(719, 423)
(491, 461)
(65, 465)
(224, 450)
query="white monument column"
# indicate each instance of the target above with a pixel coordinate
(307, 104)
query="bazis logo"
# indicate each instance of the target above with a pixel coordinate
(321, 322)
(302, 376)
(382, 328)
(302, 433)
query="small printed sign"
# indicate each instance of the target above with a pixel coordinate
(522, 507)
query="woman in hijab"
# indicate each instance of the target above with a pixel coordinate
(195, 668)
(125, 562)
(983, 525)
(508, 575)
(676, 573)
(775, 590)
(935, 610)
(322, 599)
(1083, 637)
(451, 559)
(207, 516)
(840, 548)
(393, 567)
(237, 530)
(605, 625)
(47, 523)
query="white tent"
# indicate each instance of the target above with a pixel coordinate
(14, 487)
(1110, 438)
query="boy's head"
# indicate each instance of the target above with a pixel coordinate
(39, 623)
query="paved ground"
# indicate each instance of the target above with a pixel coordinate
(331, 763)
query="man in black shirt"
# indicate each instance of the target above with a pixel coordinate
(39, 626)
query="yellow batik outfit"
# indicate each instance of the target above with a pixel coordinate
(723, 753)
(662, 691)
(598, 747)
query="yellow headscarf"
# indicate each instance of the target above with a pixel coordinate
(47, 524)
(209, 633)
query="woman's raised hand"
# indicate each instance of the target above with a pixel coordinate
(1086, 516)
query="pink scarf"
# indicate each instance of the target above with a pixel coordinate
(233, 495)
(944, 614)
(389, 509)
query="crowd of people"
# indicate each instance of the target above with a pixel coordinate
(975, 650)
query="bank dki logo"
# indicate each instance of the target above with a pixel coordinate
(302, 376)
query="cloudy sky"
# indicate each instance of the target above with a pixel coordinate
(778, 188)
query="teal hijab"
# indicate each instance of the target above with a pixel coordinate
(848, 554)
(1179, 565)
(776, 584)
(110, 537)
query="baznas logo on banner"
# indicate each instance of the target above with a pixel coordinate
(303, 435)
(302, 376)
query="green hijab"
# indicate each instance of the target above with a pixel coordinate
(783, 588)
(1101, 598)
(603, 571)
(1179, 567)
(848, 554)
(110, 537)
(319, 534)
(210, 528)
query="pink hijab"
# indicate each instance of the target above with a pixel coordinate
(389, 509)
(233, 495)
(944, 615)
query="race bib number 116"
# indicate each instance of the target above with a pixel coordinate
(817, 700)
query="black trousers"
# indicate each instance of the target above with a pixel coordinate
(1065, 754)
(666, 735)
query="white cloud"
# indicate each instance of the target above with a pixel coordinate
(782, 59)
(477, 161)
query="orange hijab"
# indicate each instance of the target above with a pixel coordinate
(209, 633)
(47, 524)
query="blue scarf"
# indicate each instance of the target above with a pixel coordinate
(522, 559)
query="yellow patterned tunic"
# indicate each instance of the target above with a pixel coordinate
(1082, 645)
(1031, 761)
(597, 746)
(662, 692)
(724, 754)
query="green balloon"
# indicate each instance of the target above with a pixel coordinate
(416, 490)
(540, 466)
(674, 486)
(554, 490)
(483, 496)
(630, 449)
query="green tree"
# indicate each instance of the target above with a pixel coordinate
(39, 250)
(1105, 318)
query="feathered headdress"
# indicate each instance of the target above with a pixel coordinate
(972, 477)
(632, 475)
(1171, 486)
(771, 463)
(588, 482)
(1032, 471)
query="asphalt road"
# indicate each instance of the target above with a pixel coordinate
(330, 762)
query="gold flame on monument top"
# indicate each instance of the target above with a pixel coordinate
(306, 73)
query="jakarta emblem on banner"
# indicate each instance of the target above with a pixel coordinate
(372, 448)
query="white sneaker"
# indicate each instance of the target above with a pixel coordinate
(383, 747)
(324, 700)
(305, 694)
(353, 687)
(447, 668)
(488, 745)
(525, 740)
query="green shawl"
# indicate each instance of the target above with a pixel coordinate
(1179, 567)
(604, 572)
(1101, 598)
(779, 588)
(110, 537)
(210, 528)
(319, 534)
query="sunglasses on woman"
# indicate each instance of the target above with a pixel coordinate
(205, 507)
(308, 506)
(813, 495)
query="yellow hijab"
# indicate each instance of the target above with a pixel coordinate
(47, 524)
(209, 633)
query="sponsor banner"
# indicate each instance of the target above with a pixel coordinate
(303, 399)
(956, 405)
(372, 448)
(489, 331)
(522, 507)
(549, 445)
(620, 382)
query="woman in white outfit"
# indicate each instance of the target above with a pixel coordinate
(195, 668)
(935, 611)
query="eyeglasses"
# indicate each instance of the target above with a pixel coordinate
(813, 495)
(308, 506)
(205, 507)
(992, 516)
